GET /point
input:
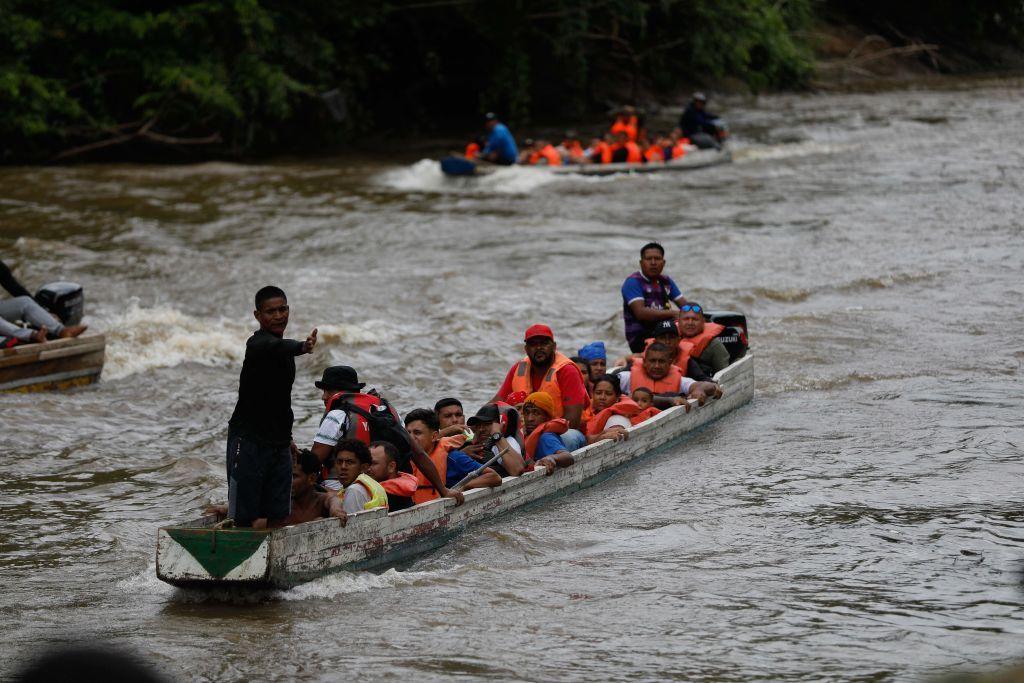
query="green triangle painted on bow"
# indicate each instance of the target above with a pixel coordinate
(219, 550)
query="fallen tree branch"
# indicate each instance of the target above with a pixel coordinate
(859, 61)
(144, 131)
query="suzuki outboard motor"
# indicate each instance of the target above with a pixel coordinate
(65, 300)
(734, 336)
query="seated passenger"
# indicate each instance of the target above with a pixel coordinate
(626, 123)
(542, 153)
(23, 308)
(596, 357)
(400, 486)
(571, 150)
(623, 150)
(594, 153)
(348, 414)
(667, 332)
(450, 462)
(667, 382)
(450, 416)
(654, 153)
(643, 397)
(307, 502)
(701, 339)
(359, 490)
(544, 446)
(613, 412)
(584, 368)
(544, 369)
(501, 146)
(491, 421)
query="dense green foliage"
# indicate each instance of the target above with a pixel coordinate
(246, 76)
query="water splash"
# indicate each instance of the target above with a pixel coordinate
(143, 339)
(426, 176)
(788, 151)
(328, 587)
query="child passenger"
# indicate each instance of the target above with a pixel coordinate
(643, 397)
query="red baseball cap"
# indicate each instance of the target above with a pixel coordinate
(538, 331)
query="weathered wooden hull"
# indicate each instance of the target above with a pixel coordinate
(701, 158)
(198, 555)
(58, 364)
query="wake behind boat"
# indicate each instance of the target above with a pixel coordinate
(199, 554)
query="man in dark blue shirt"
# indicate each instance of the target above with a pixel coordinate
(259, 460)
(501, 146)
(698, 124)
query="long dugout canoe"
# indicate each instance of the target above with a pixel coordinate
(198, 555)
(58, 364)
(701, 158)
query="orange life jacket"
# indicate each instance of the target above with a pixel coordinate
(633, 154)
(626, 407)
(682, 354)
(597, 155)
(551, 154)
(654, 153)
(556, 426)
(627, 126)
(575, 151)
(439, 456)
(402, 484)
(669, 384)
(695, 345)
(588, 415)
(472, 150)
(679, 149)
(522, 380)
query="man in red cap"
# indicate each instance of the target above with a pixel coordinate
(545, 369)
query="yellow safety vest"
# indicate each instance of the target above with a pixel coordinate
(378, 496)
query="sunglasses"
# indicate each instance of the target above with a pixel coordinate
(691, 307)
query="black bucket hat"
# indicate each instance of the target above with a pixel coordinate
(340, 377)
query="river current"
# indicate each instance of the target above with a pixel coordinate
(861, 519)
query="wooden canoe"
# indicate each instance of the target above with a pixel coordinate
(701, 158)
(196, 554)
(57, 364)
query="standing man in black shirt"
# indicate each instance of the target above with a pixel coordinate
(259, 461)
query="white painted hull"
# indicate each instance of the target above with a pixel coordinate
(376, 539)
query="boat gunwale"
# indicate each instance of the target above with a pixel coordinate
(508, 483)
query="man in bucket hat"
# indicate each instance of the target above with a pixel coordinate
(367, 417)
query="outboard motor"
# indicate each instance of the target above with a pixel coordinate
(734, 336)
(65, 300)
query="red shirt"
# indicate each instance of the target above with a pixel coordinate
(570, 383)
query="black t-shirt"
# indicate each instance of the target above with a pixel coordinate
(264, 408)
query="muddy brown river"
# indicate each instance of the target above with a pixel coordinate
(861, 520)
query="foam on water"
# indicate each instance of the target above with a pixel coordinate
(144, 339)
(325, 588)
(426, 176)
(788, 151)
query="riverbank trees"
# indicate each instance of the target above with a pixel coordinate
(88, 77)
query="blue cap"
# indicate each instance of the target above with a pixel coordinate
(593, 351)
